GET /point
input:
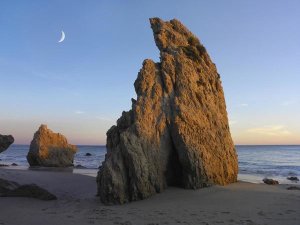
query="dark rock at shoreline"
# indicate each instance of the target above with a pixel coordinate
(6, 186)
(177, 132)
(3, 165)
(14, 164)
(293, 188)
(293, 179)
(5, 142)
(13, 189)
(88, 154)
(79, 167)
(270, 181)
(50, 149)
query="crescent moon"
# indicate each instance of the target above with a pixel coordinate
(63, 36)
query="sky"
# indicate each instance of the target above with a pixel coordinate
(80, 87)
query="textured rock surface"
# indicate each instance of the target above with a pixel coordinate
(13, 189)
(5, 142)
(50, 149)
(177, 132)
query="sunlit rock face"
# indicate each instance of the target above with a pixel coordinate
(5, 142)
(177, 132)
(50, 149)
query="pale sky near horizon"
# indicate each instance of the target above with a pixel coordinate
(81, 86)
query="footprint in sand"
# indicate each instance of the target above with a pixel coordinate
(289, 211)
(123, 223)
(205, 223)
(246, 222)
(261, 213)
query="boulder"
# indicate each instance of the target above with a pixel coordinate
(5, 142)
(295, 179)
(79, 167)
(293, 188)
(270, 181)
(6, 186)
(3, 165)
(177, 132)
(13, 189)
(50, 149)
(88, 154)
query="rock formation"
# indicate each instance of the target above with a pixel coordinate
(293, 188)
(5, 142)
(177, 132)
(294, 179)
(270, 181)
(50, 149)
(13, 189)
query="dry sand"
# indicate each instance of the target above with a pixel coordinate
(239, 203)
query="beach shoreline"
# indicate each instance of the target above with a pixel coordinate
(248, 178)
(238, 203)
(255, 162)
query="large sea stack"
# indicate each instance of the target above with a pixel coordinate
(50, 149)
(5, 142)
(177, 132)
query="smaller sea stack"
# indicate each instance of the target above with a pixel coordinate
(5, 142)
(50, 149)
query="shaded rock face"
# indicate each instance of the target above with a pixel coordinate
(177, 131)
(13, 189)
(5, 142)
(50, 149)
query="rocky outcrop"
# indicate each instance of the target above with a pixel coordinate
(4, 165)
(270, 181)
(294, 179)
(50, 149)
(177, 132)
(13, 189)
(293, 188)
(5, 142)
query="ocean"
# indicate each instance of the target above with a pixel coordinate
(255, 161)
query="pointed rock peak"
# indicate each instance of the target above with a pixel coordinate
(173, 35)
(43, 127)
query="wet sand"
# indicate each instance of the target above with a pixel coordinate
(239, 203)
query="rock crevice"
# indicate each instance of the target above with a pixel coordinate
(177, 132)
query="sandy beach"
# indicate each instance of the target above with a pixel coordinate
(239, 203)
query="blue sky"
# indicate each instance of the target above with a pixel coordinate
(81, 86)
